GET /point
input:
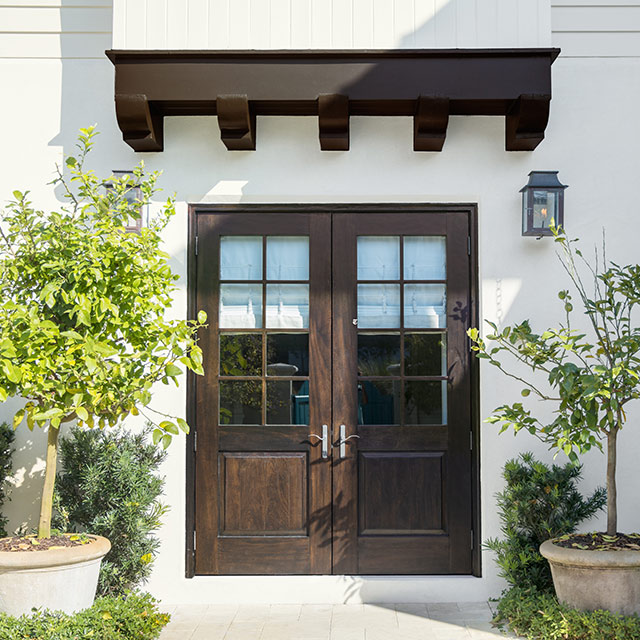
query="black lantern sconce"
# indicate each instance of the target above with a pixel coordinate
(133, 194)
(542, 202)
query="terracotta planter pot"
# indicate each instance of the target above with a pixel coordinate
(590, 580)
(57, 579)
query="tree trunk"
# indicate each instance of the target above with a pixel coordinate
(46, 504)
(612, 495)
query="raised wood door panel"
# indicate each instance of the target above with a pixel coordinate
(402, 493)
(263, 490)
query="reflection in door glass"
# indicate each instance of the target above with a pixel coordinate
(424, 306)
(425, 402)
(240, 306)
(378, 306)
(425, 354)
(379, 401)
(378, 354)
(240, 402)
(287, 306)
(287, 354)
(424, 258)
(288, 402)
(241, 258)
(240, 354)
(378, 257)
(287, 258)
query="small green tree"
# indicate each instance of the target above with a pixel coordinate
(83, 335)
(589, 378)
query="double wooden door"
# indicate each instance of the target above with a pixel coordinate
(334, 417)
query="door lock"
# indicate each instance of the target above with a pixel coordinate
(324, 439)
(343, 440)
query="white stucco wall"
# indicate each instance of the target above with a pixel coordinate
(591, 139)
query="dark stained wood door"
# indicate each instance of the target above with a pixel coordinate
(402, 486)
(263, 488)
(356, 321)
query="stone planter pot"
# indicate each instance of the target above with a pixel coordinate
(589, 580)
(56, 579)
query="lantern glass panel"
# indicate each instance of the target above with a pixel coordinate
(544, 208)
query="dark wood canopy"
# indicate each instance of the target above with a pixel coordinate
(427, 84)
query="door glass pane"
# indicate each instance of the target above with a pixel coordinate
(379, 401)
(378, 354)
(287, 402)
(240, 306)
(287, 306)
(241, 258)
(240, 354)
(424, 306)
(287, 354)
(240, 402)
(378, 258)
(378, 306)
(425, 402)
(424, 258)
(287, 258)
(425, 354)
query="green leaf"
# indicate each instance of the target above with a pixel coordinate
(525, 392)
(168, 426)
(82, 413)
(18, 418)
(172, 371)
(156, 436)
(166, 440)
(183, 425)
(202, 316)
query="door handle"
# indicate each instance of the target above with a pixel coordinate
(343, 440)
(324, 439)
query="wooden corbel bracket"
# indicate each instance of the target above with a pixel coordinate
(430, 123)
(142, 129)
(237, 122)
(526, 121)
(333, 122)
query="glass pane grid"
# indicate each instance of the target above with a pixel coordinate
(264, 319)
(402, 352)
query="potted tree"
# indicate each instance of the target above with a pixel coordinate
(590, 377)
(83, 339)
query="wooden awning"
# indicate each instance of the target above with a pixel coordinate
(428, 84)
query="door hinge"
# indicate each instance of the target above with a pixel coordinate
(195, 440)
(471, 440)
(195, 246)
(194, 540)
(471, 540)
(468, 245)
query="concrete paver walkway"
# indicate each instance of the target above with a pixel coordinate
(445, 621)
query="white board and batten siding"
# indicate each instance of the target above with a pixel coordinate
(54, 29)
(330, 24)
(596, 28)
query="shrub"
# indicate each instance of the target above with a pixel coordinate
(110, 488)
(6, 440)
(539, 616)
(123, 618)
(538, 503)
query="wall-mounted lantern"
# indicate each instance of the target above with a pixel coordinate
(133, 194)
(542, 202)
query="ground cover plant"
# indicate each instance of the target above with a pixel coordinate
(6, 451)
(83, 333)
(538, 615)
(589, 378)
(110, 487)
(539, 502)
(134, 616)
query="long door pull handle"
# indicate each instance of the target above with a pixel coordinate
(324, 439)
(343, 440)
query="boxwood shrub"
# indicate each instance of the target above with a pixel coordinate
(127, 617)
